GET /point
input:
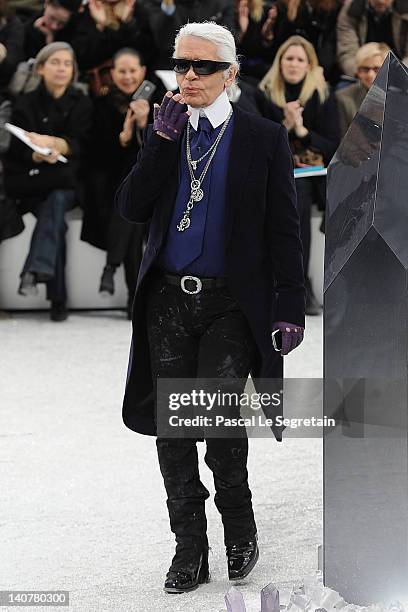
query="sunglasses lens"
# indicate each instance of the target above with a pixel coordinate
(205, 67)
(181, 66)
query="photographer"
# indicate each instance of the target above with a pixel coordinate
(117, 129)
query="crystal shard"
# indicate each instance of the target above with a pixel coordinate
(365, 350)
(235, 601)
(270, 599)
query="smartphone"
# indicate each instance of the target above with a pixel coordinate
(145, 91)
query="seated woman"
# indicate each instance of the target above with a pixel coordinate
(116, 138)
(302, 103)
(369, 59)
(57, 116)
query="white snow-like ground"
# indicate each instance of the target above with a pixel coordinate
(82, 500)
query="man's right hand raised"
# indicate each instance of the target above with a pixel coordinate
(170, 118)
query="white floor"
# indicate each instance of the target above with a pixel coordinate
(83, 505)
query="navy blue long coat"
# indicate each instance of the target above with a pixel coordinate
(262, 243)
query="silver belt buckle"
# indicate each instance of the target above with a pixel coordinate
(199, 284)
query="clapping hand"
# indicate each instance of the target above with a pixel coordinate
(40, 24)
(268, 27)
(243, 16)
(170, 117)
(128, 11)
(293, 114)
(98, 13)
(137, 115)
(293, 120)
(129, 123)
(140, 109)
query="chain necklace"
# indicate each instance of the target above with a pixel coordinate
(197, 193)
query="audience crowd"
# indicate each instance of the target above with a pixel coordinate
(69, 70)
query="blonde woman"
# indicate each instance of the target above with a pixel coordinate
(301, 101)
(369, 59)
(316, 21)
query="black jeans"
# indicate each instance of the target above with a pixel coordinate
(205, 336)
(46, 256)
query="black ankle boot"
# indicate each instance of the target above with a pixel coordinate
(58, 311)
(185, 580)
(107, 285)
(242, 559)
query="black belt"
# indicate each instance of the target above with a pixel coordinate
(192, 284)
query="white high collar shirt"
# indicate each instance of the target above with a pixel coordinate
(216, 113)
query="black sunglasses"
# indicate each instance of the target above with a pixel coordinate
(182, 66)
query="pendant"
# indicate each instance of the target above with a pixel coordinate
(184, 224)
(193, 164)
(195, 184)
(197, 195)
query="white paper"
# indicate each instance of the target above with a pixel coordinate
(22, 135)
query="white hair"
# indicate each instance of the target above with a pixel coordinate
(221, 37)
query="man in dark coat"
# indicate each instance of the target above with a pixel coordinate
(222, 270)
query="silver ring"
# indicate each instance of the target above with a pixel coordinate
(275, 346)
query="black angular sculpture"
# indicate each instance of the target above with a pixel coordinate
(365, 344)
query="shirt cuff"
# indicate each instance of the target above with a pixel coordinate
(169, 10)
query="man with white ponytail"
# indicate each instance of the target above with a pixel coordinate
(222, 271)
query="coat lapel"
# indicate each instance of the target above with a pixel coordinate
(241, 153)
